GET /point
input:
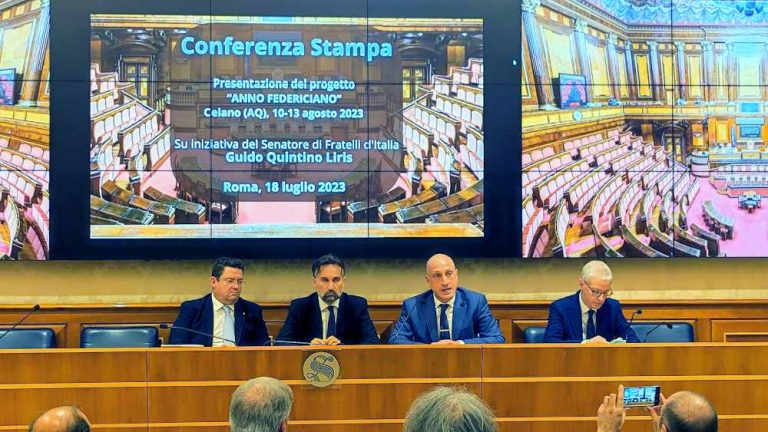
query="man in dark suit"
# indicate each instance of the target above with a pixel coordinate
(445, 314)
(589, 315)
(329, 316)
(222, 313)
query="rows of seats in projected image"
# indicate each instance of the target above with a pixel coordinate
(24, 178)
(654, 230)
(442, 131)
(571, 196)
(128, 142)
(660, 215)
(635, 207)
(552, 172)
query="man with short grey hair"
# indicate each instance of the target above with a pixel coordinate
(446, 409)
(261, 405)
(589, 315)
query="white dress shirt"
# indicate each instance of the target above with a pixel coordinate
(585, 317)
(448, 313)
(218, 321)
(325, 313)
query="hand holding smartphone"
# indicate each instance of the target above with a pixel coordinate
(643, 396)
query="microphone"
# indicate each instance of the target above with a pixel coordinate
(35, 308)
(632, 318)
(272, 341)
(669, 326)
(408, 315)
(171, 326)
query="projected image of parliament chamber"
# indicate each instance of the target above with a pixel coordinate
(644, 129)
(24, 130)
(424, 104)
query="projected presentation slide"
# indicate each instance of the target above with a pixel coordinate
(280, 127)
(24, 130)
(644, 134)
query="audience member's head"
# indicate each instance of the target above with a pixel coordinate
(61, 419)
(687, 411)
(260, 405)
(445, 409)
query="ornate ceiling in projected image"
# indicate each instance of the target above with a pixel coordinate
(686, 12)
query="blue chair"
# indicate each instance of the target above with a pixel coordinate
(119, 337)
(534, 334)
(28, 338)
(680, 332)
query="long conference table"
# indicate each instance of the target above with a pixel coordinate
(531, 387)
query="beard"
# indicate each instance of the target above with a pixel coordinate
(330, 296)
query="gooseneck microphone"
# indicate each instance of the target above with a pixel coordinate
(400, 328)
(35, 308)
(172, 326)
(669, 326)
(272, 341)
(632, 318)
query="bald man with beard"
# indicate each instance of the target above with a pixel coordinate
(61, 419)
(445, 314)
(684, 411)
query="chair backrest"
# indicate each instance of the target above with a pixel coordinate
(119, 337)
(28, 338)
(534, 334)
(680, 332)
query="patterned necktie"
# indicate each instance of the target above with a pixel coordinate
(591, 332)
(228, 332)
(445, 331)
(331, 322)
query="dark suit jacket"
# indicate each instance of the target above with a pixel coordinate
(564, 324)
(250, 329)
(353, 323)
(472, 320)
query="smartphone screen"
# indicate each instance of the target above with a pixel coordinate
(641, 396)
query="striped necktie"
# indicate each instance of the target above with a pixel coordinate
(445, 330)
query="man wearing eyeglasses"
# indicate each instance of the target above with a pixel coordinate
(590, 315)
(222, 313)
(445, 314)
(329, 316)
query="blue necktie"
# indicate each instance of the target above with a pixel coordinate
(229, 325)
(331, 322)
(591, 332)
(445, 331)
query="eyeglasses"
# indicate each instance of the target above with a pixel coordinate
(231, 282)
(597, 293)
(438, 276)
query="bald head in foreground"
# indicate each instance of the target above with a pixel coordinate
(446, 409)
(446, 313)
(684, 411)
(687, 411)
(61, 419)
(261, 405)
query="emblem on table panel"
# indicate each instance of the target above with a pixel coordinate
(321, 369)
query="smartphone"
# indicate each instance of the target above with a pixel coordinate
(641, 396)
